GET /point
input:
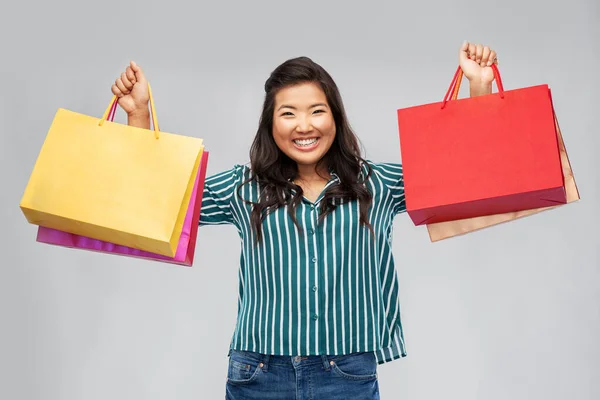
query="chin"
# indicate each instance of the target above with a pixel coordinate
(305, 159)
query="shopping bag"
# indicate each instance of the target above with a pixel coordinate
(113, 182)
(187, 242)
(480, 156)
(445, 230)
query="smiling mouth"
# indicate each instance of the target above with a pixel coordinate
(306, 142)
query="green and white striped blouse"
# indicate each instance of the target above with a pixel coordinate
(326, 289)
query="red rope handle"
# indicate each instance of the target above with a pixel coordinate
(456, 82)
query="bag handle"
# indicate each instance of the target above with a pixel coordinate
(110, 112)
(456, 81)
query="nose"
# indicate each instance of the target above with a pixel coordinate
(304, 125)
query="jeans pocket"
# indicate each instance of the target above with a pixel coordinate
(357, 366)
(243, 368)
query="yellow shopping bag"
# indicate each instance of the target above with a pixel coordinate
(113, 182)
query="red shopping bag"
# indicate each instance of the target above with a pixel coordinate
(479, 156)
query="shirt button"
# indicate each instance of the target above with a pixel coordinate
(314, 288)
(314, 259)
(311, 231)
(316, 317)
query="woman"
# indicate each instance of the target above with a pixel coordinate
(318, 294)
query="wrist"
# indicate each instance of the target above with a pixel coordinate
(478, 87)
(139, 118)
(139, 113)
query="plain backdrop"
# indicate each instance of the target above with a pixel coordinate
(511, 312)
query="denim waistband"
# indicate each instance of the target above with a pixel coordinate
(290, 361)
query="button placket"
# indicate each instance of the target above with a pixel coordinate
(321, 314)
(312, 231)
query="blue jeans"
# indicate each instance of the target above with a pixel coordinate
(345, 377)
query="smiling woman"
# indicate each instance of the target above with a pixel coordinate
(303, 136)
(318, 302)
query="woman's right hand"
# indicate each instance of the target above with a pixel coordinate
(131, 89)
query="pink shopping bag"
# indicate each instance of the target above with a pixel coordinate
(187, 243)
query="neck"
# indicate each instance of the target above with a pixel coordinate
(309, 173)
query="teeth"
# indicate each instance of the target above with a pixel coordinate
(305, 142)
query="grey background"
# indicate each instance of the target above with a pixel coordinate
(509, 312)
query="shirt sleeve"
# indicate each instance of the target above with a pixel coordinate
(219, 190)
(393, 178)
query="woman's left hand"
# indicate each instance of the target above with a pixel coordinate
(476, 61)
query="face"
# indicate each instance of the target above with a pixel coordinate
(303, 125)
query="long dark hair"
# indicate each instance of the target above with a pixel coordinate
(274, 171)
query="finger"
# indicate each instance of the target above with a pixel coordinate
(485, 56)
(126, 81)
(130, 75)
(463, 53)
(472, 50)
(492, 59)
(136, 68)
(116, 91)
(121, 86)
(479, 53)
(139, 73)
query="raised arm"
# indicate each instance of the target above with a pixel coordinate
(476, 61)
(131, 89)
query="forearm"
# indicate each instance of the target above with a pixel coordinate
(477, 88)
(139, 119)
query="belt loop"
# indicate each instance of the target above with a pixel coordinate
(326, 363)
(266, 358)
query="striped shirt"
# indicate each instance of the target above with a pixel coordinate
(329, 288)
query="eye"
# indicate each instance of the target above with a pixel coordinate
(319, 111)
(287, 114)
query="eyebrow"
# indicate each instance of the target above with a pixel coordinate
(294, 108)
